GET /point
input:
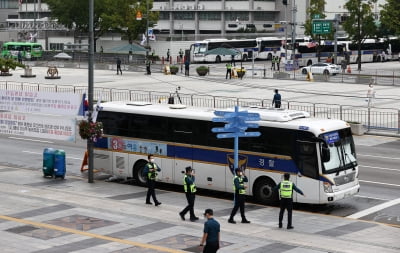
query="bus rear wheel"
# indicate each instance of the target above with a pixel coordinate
(263, 191)
(137, 172)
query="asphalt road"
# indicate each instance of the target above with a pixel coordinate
(378, 160)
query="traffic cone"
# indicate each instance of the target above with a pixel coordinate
(348, 69)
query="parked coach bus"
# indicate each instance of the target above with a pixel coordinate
(319, 153)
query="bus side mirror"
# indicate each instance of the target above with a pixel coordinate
(326, 155)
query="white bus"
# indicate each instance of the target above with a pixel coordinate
(245, 46)
(306, 53)
(318, 153)
(268, 47)
(371, 51)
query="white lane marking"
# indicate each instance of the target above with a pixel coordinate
(38, 153)
(374, 209)
(25, 139)
(372, 182)
(379, 168)
(384, 157)
(368, 197)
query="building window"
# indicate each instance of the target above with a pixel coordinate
(264, 16)
(164, 15)
(57, 46)
(210, 15)
(184, 16)
(237, 16)
(8, 4)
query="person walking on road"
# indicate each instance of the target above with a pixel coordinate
(190, 190)
(19, 56)
(240, 196)
(228, 71)
(370, 94)
(148, 67)
(277, 99)
(150, 171)
(119, 66)
(286, 188)
(181, 55)
(211, 233)
(168, 55)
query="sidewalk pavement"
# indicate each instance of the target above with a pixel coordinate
(47, 215)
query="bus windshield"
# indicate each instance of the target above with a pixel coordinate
(340, 150)
(200, 48)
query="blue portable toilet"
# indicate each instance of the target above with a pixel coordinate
(48, 162)
(59, 163)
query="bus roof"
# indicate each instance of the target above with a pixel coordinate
(20, 43)
(280, 118)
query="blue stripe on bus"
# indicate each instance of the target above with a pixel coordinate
(221, 157)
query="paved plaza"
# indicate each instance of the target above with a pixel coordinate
(53, 215)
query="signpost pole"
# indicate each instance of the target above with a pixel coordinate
(90, 88)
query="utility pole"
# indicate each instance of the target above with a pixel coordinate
(147, 29)
(90, 89)
(336, 20)
(294, 10)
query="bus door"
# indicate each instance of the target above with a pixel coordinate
(182, 149)
(307, 179)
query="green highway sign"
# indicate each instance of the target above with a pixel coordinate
(321, 27)
(316, 16)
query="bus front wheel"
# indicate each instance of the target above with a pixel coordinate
(263, 191)
(140, 179)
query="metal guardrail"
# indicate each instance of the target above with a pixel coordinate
(387, 119)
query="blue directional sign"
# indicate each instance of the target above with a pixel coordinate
(236, 124)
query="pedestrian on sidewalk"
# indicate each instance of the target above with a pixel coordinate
(150, 171)
(190, 191)
(278, 62)
(228, 71)
(239, 196)
(181, 55)
(148, 66)
(211, 233)
(286, 188)
(370, 94)
(168, 55)
(277, 99)
(233, 60)
(187, 67)
(119, 66)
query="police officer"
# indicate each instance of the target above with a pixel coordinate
(286, 188)
(277, 99)
(190, 190)
(150, 170)
(228, 71)
(240, 194)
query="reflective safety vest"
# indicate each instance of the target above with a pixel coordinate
(151, 174)
(286, 189)
(192, 187)
(240, 191)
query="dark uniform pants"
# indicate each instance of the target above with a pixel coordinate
(119, 69)
(228, 72)
(277, 104)
(211, 247)
(286, 203)
(190, 207)
(151, 184)
(239, 203)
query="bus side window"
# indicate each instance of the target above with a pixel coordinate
(307, 158)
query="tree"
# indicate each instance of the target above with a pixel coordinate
(74, 14)
(390, 16)
(121, 17)
(316, 8)
(360, 23)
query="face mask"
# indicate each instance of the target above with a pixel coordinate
(152, 160)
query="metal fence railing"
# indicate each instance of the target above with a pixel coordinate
(373, 118)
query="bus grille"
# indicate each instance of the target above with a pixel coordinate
(345, 179)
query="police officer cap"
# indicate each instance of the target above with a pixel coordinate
(188, 169)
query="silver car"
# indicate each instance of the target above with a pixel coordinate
(321, 68)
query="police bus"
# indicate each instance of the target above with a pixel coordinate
(319, 153)
(246, 47)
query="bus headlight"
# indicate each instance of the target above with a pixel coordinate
(327, 187)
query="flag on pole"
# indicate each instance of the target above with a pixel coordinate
(20, 2)
(151, 34)
(143, 39)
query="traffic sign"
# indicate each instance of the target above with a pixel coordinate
(321, 26)
(317, 16)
